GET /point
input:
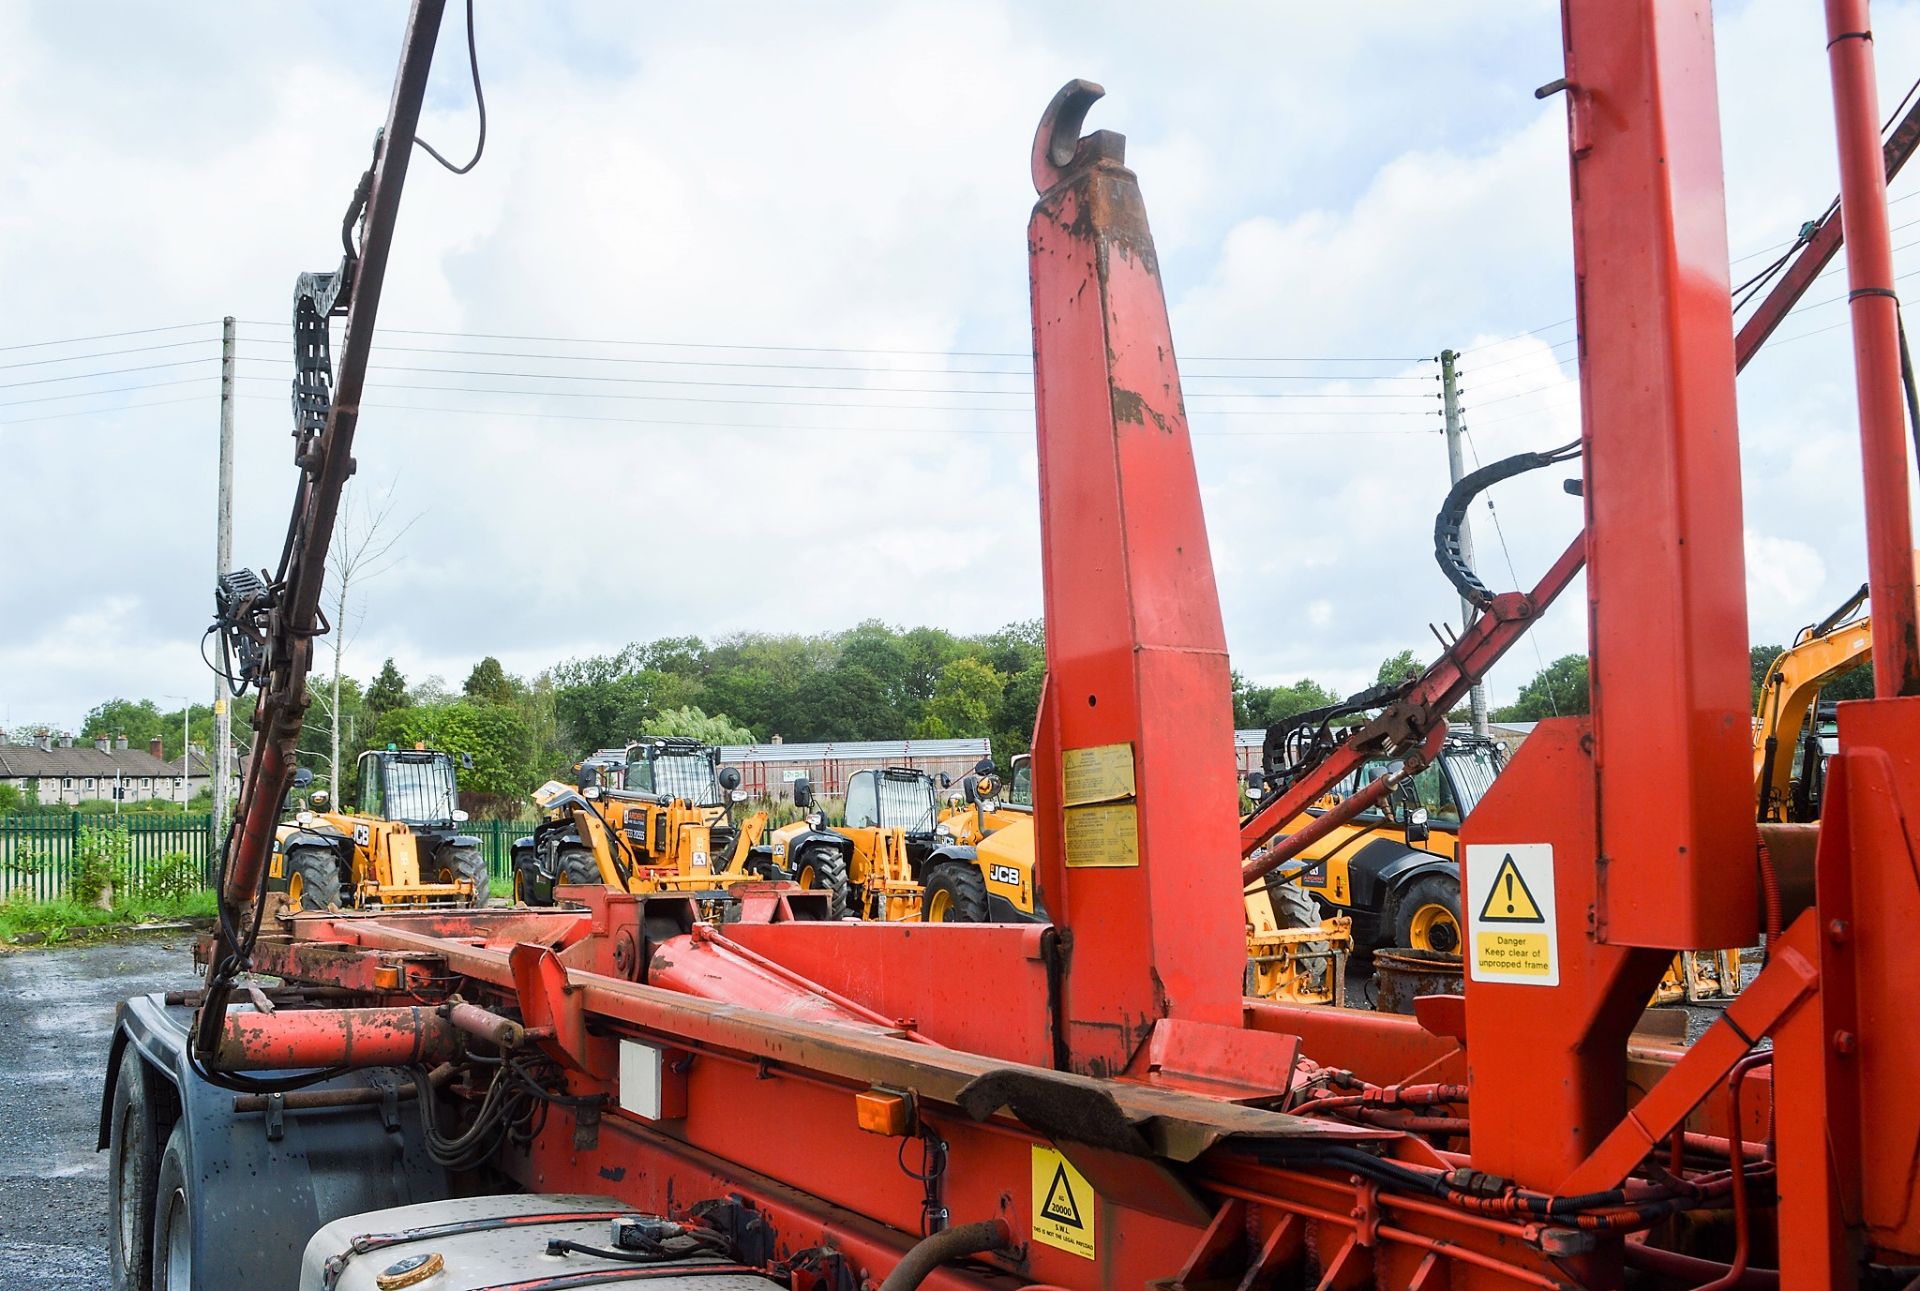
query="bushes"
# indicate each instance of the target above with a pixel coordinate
(100, 864)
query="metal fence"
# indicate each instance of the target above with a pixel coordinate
(40, 851)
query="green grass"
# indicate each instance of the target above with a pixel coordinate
(56, 921)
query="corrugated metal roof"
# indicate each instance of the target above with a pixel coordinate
(1249, 739)
(857, 751)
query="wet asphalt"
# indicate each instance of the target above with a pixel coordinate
(56, 1016)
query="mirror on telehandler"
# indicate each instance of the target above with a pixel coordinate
(1417, 830)
(729, 779)
(803, 794)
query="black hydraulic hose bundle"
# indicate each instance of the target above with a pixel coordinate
(1453, 515)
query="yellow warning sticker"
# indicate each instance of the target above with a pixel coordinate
(1103, 774)
(1103, 835)
(1063, 1204)
(1510, 901)
(1510, 914)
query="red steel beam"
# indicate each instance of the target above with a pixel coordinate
(1876, 349)
(1137, 676)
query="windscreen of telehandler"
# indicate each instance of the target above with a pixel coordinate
(676, 775)
(413, 789)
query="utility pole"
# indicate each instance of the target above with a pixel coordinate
(1450, 392)
(222, 564)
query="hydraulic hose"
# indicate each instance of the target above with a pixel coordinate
(929, 1253)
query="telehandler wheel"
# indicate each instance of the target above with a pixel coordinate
(173, 1217)
(824, 869)
(470, 864)
(577, 866)
(133, 1161)
(1428, 915)
(955, 894)
(1295, 908)
(313, 879)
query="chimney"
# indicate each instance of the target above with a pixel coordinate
(46, 741)
(156, 748)
(777, 740)
(120, 744)
(66, 741)
(102, 743)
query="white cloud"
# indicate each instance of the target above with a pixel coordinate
(1322, 184)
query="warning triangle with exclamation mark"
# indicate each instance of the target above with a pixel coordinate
(1060, 1205)
(1510, 901)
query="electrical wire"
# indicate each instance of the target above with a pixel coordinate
(480, 102)
(104, 336)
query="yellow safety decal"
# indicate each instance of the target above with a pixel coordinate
(1063, 1204)
(1510, 909)
(1103, 774)
(1510, 901)
(1105, 835)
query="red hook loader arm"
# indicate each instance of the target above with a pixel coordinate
(268, 627)
(1412, 725)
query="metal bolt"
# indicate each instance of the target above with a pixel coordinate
(1839, 930)
(1843, 1043)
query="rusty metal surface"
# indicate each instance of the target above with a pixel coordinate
(1403, 975)
(290, 1039)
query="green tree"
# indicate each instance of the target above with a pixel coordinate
(138, 720)
(1398, 668)
(1015, 714)
(1558, 690)
(489, 682)
(1287, 701)
(495, 736)
(9, 799)
(695, 724)
(965, 699)
(388, 692)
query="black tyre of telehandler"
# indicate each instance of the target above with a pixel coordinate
(955, 894)
(824, 869)
(313, 879)
(470, 864)
(1427, 915)
(578, 867)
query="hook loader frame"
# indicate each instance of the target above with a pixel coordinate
(1095, 1103)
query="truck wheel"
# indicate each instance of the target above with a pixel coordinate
(173, 1217)
(1427, 915)
(132, 1162)
(577, 866)
(469, 864)
(1295, 908)
(955, 894)
(313, 879)
(824, 869)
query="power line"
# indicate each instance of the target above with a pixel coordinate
(1185, 375)
(109, 372)
(101, 412)
(105, 354)
(87, 394)
(828, 403)
(893, 430)
(842, 349)
(105, 336)
(499, 374)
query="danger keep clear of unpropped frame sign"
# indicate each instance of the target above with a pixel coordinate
(1511, 932)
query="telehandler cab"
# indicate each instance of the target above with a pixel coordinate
(400, 845)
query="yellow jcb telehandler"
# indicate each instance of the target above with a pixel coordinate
(400, 845)
(659, 819)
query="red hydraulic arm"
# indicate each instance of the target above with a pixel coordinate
(275, 623)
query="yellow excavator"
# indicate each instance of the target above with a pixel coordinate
(1789, 757)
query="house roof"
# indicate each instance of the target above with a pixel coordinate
(856, 751)
(30, 761)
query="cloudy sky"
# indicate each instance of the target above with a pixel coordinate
(727, 331)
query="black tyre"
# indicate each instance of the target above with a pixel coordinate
(955, 894)
(1295, 909)
(578, 867)
(1427, 915)
(133, 1161)
(172, 1267)
(470, 864)
(313, 879)
(824, 869)
(526, 880)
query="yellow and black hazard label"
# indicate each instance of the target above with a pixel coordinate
(1511, 931)
(1063, 1204)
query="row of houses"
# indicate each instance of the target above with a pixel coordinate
(55, 771)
